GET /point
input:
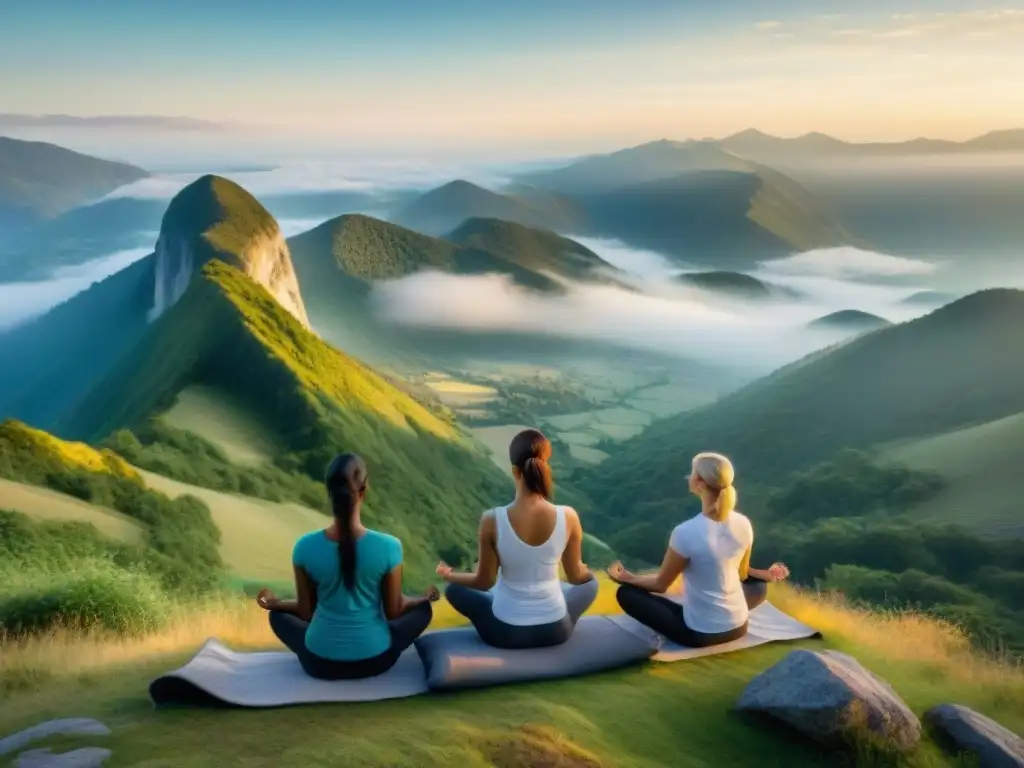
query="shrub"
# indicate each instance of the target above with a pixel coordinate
(95, 596)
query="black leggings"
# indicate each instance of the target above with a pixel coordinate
(291, 630)
(666, 617)
(478, 607)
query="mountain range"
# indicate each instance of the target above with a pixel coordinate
(691, 201)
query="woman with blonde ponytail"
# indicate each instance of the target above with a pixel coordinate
(712, 552)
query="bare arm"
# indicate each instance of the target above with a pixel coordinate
(486, 573)
(576, 571)
(304, 603)
(671, 567)
(395, 602)
(777, 572)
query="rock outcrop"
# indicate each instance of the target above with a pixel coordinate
(993, 745)
(829, 696)
(213, 218)
(86, 757)
(71, 726)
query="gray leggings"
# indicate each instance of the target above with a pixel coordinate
(478, 607)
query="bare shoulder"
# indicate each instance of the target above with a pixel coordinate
(488, 520)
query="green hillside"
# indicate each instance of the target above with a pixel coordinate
(52, 361)
(695, 201)
(57, 571)
(714, 217)
(441, 210)
(39, 180)
(229, 334)
(985, 488)
(537, 250)
(367, 249)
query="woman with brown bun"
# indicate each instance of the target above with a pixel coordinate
(520, 548)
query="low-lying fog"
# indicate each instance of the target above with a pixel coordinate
(667, 316)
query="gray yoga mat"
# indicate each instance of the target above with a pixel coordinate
(767, 625)
(218, 675)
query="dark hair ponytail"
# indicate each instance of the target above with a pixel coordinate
(529, 452)
(346, 482)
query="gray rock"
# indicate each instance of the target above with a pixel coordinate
(829, 696)
(970, 731)
(72, 726)
(87, 757)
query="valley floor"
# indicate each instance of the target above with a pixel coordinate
(653, 715)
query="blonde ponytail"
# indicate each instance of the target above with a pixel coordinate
(725, 503)
(718, 474)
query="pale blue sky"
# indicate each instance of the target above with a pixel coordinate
(572, 73)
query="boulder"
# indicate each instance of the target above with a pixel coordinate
(87, 757)
(970, 731)
(71, 726)
(829, 696)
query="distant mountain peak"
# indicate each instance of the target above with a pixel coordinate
(750, 133)
(214, 218)
(850, 319)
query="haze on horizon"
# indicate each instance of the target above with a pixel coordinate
(521, 80)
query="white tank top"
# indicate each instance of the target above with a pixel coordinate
(528, 591)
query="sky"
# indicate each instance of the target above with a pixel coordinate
(531, 75)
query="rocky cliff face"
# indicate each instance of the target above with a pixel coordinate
(214, 218)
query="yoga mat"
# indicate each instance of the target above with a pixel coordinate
(767, 625)
(218, 675)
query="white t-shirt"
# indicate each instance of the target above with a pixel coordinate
(713, 599)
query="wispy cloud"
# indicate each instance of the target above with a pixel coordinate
(137, 122)
(1006, 23)
(352, 175)
(768, 24)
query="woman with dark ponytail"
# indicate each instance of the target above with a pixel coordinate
(350, 619)
(523, 544)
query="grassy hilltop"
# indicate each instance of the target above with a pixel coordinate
(648, 716)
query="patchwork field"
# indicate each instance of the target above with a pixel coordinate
(982, 466)
(44, 504)
(460, 394)
(222, 421)
(256, 536)
(496, 439)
